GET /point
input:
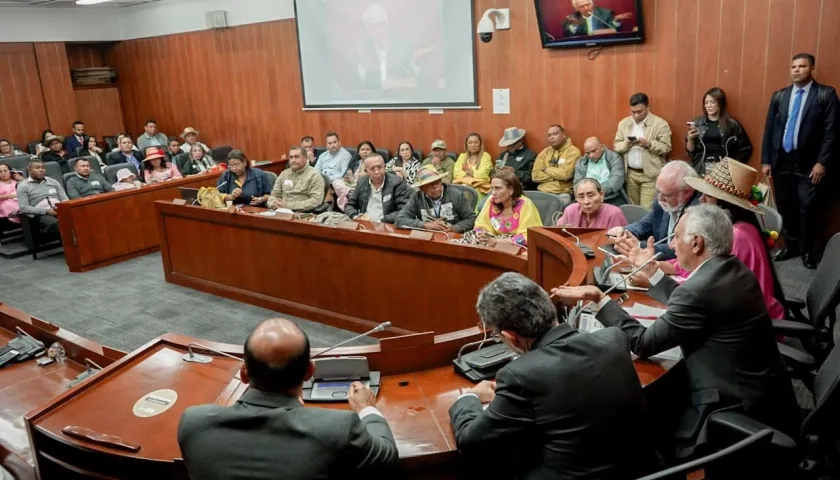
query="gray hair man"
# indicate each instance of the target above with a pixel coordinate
(674, 196)
(589, 19)
(557, 431)
(718, 318)
(604, 165)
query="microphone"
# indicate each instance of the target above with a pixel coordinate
(624, 279)
(193, 357)
(608, 24)
(577, 240)
(668, 238)
(430, 231)
(221, 185)
(379, 328)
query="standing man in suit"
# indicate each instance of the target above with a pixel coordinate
(800, 139)
(77, 140)
(719, 320)
(269, 434)
(588, 18)
(570, 406)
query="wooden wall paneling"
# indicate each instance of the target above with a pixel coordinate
(661, 89)
(101, 110)
(647, 59)
(828, 61)
(805, 35)
(752, 104)
(23, 116)
(85, 55)
(708, 48)
(730, 66)
(56, 85)
(686, 100)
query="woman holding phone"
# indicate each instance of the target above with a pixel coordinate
(715, 134)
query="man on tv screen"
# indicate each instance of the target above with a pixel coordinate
(591, 20)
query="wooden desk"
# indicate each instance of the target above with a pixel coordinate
(113, 227)
(24, 386)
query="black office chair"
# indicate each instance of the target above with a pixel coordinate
(181, 159)
(386, 155)
(94, 164)
(54, 171)
(549, 206)
(733, 462)
(110, 142)
(633, 213)
(319, 151)
(111, 171)
(65, 178)
(471, 193)
(272, 177)
(324, 206)
(219, 154)
(452, 155)
(17, 162)
(418, 155)
(353, 151)
(15, 146)
(32, 147)
(35, 240)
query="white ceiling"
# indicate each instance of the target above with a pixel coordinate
(69, 3)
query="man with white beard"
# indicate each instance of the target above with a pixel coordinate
(673, 197)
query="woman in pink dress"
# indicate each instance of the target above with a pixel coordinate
(157, 169)
(8, 193)
(590, 211)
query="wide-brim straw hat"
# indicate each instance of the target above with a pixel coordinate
(188, 131)
(427, 175)
(511, 136)
(730, 181)
(50, 138)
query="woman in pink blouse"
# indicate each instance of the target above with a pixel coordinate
(8, 192)
(157, 169)
(590, 211)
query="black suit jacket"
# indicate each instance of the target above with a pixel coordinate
(817, 139)
(570, 408)
(271, 436)
(395, 194)
(71, 144)
(719, 319)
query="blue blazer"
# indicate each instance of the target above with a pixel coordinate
(256, 184)
(655, 224)
(71, 144)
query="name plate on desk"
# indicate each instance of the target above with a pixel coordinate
(348, 225)
(179, 201)
(421, 235)
(507, 247)
(284, 215)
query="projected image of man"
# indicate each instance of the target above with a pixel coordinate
(591, 20)
(383, 60)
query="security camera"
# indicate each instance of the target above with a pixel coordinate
(491, 20)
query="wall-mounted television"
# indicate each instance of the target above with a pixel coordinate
(589, 23)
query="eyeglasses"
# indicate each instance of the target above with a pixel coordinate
(493, 334)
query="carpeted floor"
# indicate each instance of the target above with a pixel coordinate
(127, 304)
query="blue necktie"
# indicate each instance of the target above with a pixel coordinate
(791, 123)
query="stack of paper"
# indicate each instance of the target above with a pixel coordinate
(588, 323)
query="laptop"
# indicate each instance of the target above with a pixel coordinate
(189, 194)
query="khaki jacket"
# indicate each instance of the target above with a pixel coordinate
(657, 132)
(554, 170)
(301, 190)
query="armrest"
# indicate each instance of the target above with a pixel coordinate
(743, 425)
(796, 358)
(793, 328)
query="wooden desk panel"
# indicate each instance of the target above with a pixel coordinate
(344, 278)
(113, 227)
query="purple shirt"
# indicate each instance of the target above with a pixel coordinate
(608, 216)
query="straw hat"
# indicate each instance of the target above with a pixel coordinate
(157, 154)
(427, 175)
(50, 138)
(511, 136)
(188, 131)
(730, 181)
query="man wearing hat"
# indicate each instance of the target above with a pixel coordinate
(442, 163)
(151, 137)
(190, 136)
(55, 151)
(516, 156)
(436, 206)
(554, 168)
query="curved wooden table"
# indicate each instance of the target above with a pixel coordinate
(418, 386)
(113, 227)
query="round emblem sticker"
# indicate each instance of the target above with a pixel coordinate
(155, 403)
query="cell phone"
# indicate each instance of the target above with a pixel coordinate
(631, 138)
(691, 124)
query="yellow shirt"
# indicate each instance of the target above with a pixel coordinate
(525, 215)
(480, 180)
(554, 170)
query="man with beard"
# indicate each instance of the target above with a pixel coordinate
(674, 196)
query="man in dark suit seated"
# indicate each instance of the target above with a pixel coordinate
(269, 434)
(674, 196)
(379, 196)
(719, 320)
(570, 406)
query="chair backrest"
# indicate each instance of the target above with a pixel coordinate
(220, 153)
(353, 151)
(94, 164)
(111, 171)
(182, 157)
(319, 151)
(823, 292)
(326, 184)
(633, 213)
(418, 155)
(54, 171)
(110, 142)
(18, 162)
(66, 177)
(452, 155)
(272, 177)
(772, 220)
(32, 146)
(732, 455)
(469, 192)
(547, 204)
(15, 146)
(112, 158)
(79, 150)
(826, 389)
(386, 155)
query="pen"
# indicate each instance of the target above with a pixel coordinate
(643, 317)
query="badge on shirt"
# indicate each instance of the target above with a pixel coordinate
(386, 198)
(287, 183)
(495, 222)
(51, 191)
(519, 159)
(95, 182)
(561, 161)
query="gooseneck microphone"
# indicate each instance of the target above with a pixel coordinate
(193, 357)
(624, 279)
(379, 328)
(577, 239)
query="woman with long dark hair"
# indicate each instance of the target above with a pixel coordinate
(404, 163)
(716, 134)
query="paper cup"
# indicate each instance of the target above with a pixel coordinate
(229, 203)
